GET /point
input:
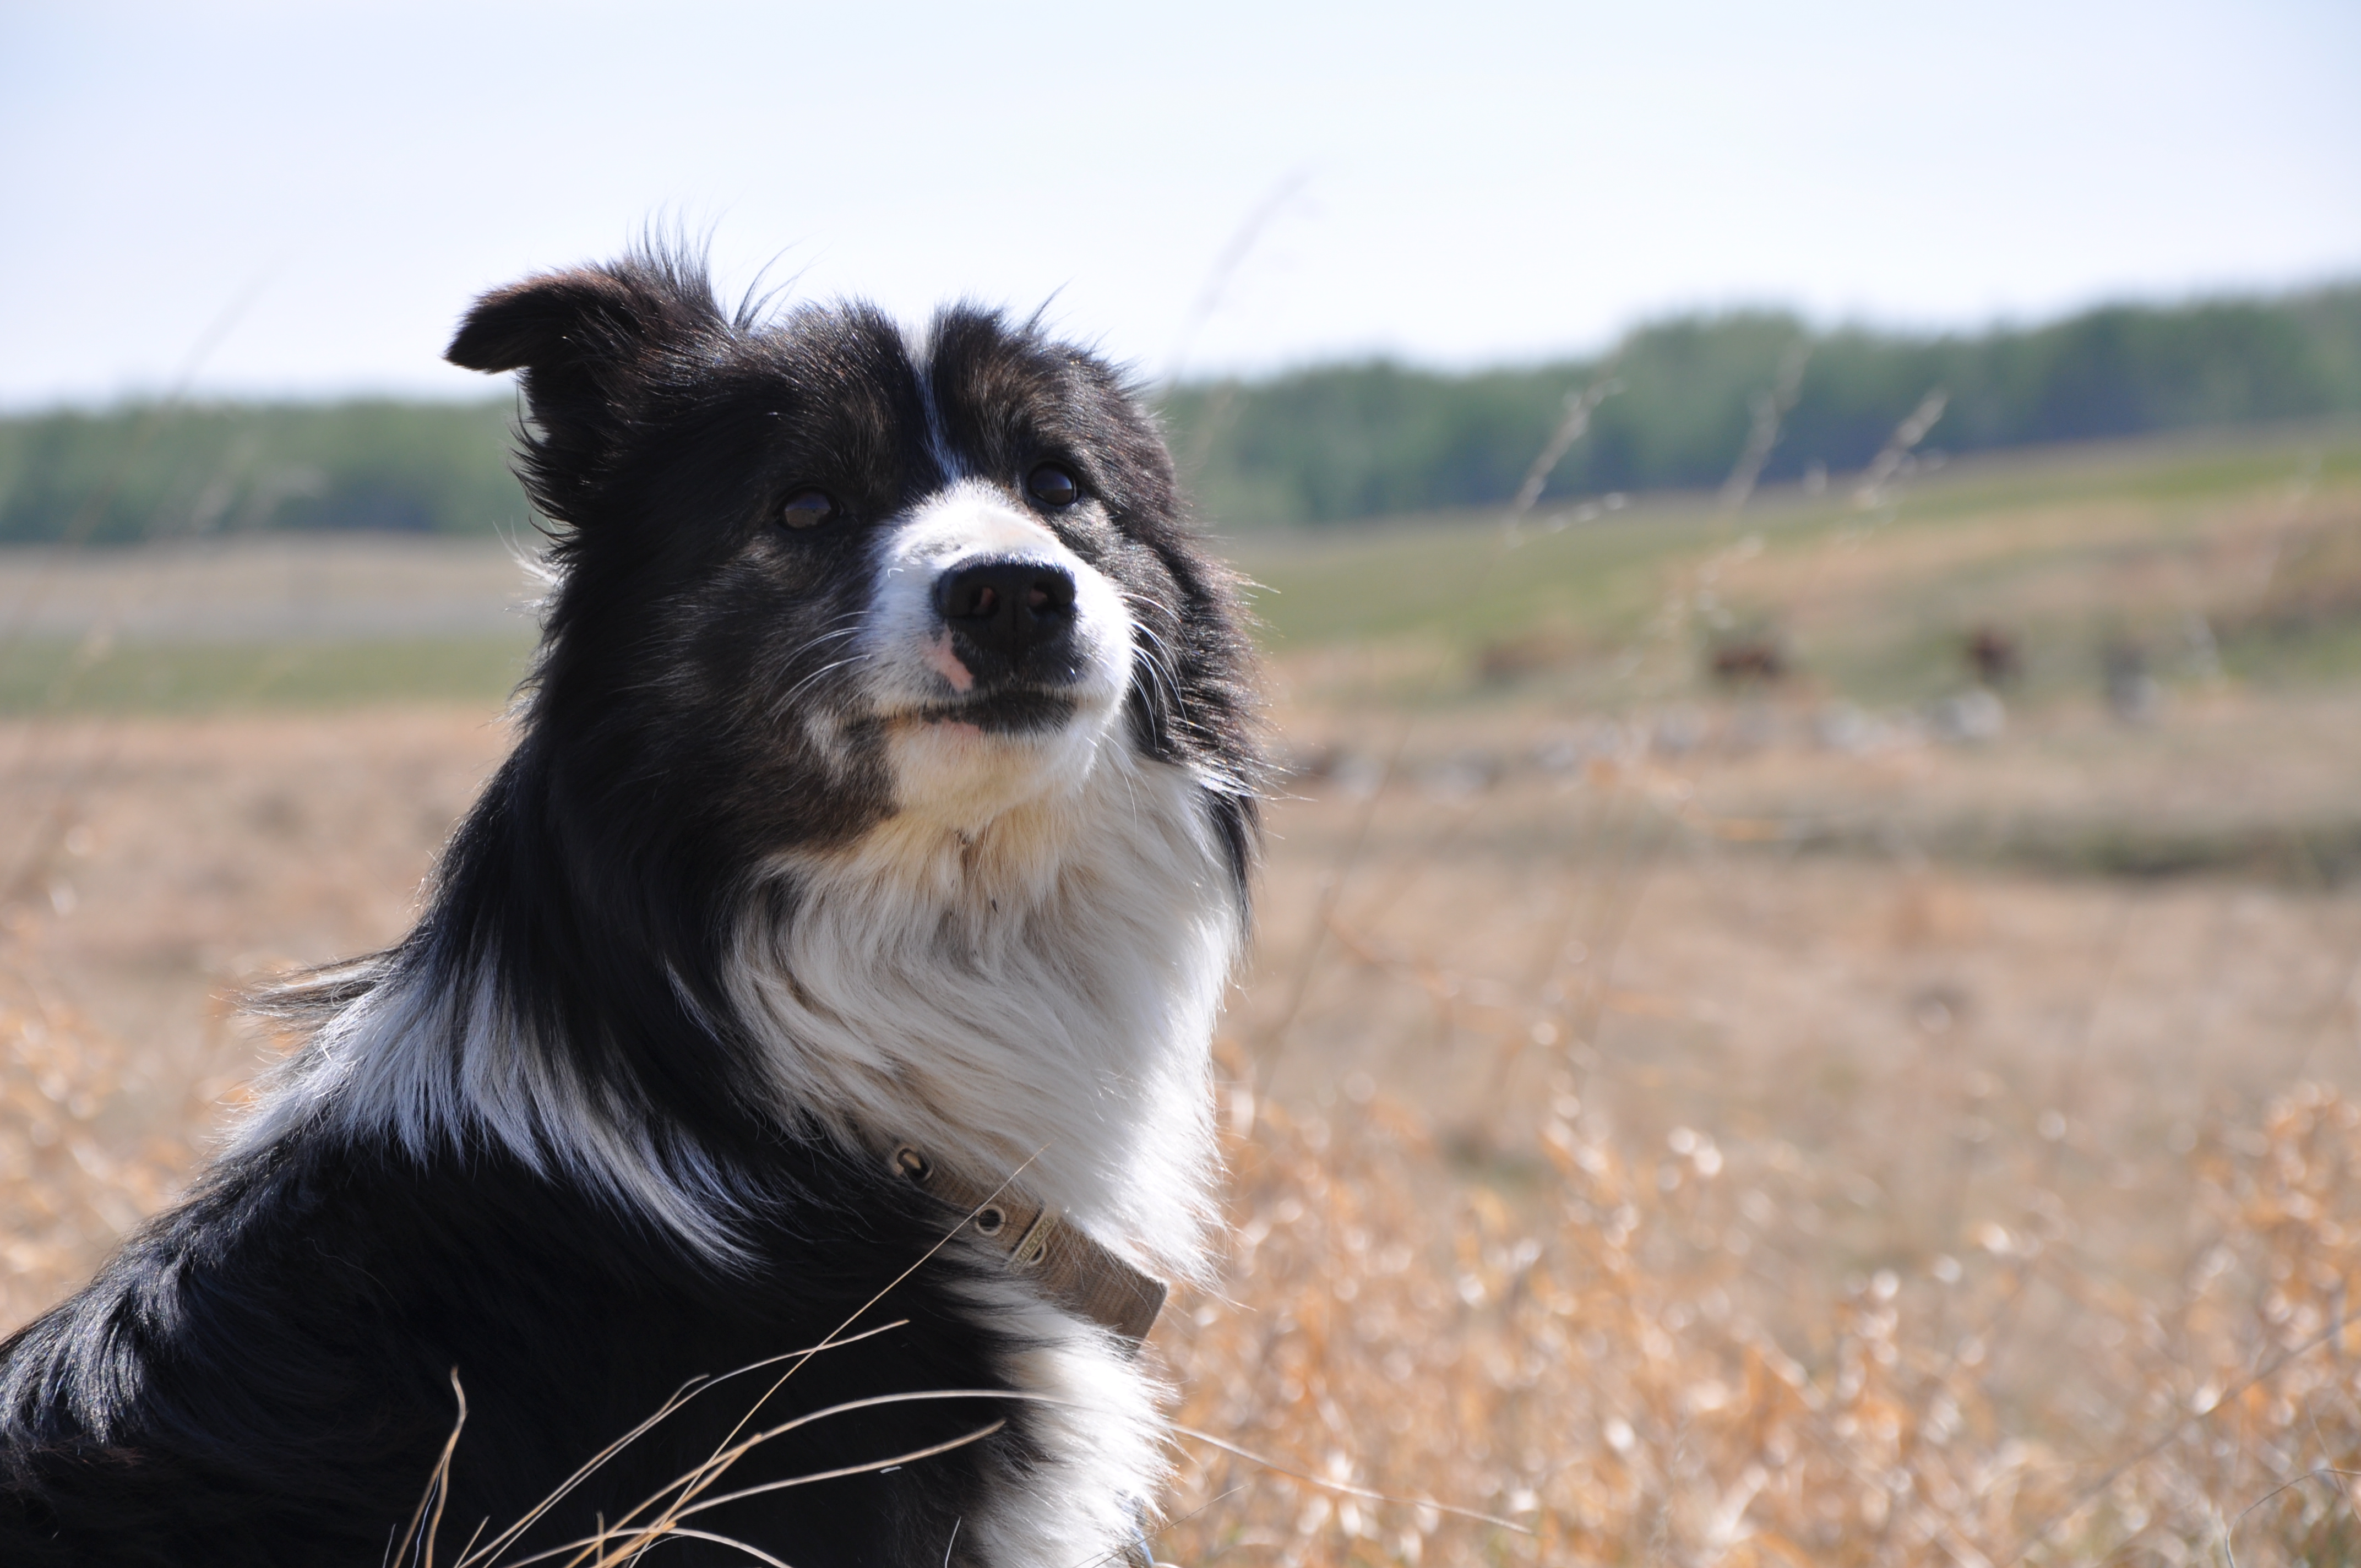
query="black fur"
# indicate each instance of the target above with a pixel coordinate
(264, 1375)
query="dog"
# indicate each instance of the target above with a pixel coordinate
(805, 1036)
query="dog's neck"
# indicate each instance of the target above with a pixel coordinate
(1033, 1001)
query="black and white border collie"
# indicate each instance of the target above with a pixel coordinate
(867, 873)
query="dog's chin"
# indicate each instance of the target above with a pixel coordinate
(1015, 714)
(966, 763)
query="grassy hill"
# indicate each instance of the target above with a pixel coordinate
(2202, 554)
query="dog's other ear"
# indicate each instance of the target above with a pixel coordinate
(590, 342)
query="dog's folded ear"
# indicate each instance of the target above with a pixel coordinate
(590, 343)
(579, 316)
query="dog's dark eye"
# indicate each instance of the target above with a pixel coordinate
(807, 509)
(1053, 486)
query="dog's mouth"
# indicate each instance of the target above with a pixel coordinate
(1017, 712)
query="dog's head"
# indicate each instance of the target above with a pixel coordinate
(819, 573)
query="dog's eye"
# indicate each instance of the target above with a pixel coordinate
(1053, 486)
(807, 509)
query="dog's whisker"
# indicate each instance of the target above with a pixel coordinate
(786, 699)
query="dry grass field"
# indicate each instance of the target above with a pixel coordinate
(1829, 1117)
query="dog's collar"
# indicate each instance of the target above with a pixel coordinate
(1062, 1260)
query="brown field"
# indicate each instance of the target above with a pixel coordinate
(1696, 1126)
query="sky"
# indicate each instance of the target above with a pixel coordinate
(300, 199)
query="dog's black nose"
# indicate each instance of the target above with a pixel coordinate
(1007, 608)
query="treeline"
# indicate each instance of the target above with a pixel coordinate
(157, 472)
(1336, 442)
(1323, 445)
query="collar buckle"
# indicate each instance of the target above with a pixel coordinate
(1072, 1268)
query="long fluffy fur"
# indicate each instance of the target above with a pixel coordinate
(782, 873)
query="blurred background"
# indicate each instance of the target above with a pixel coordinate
(1809, 560)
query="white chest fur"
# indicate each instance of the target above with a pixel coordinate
(1034, 995)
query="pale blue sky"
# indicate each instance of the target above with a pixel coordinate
(1455, 184)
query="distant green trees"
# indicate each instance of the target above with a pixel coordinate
(1335, 442)
(1324, 445)
(153, 471)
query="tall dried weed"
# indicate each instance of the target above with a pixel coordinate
(1593, 1352)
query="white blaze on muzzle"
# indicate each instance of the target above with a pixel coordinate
(919, 676)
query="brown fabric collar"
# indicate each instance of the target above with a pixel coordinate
(1062, 1260)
